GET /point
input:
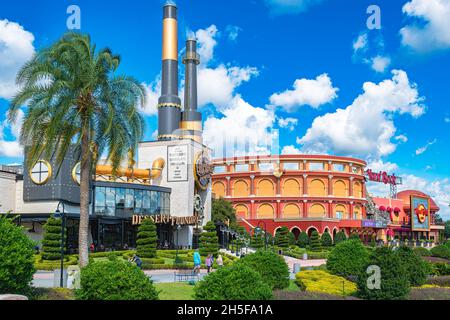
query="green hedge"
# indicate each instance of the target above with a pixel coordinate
(49, 265)
(422, 252)
(441, 251)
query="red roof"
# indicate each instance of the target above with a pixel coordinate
(406, 197)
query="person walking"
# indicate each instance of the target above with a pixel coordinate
(209, 261)
(219, 261)
(197, 262)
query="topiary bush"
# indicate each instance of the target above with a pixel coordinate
(115, 279)
(282, 237)
(441, 251)
(257, 240)
(16, 258)
(347, 258)
(314, 242)
(271, 266)
(339, 237)
(209, 242)
(416, 268)
(327, 241)
(394, 283)
(147, 239)
(292, 240)
(303, 240)
(235, 282)
(354, 236)
(51, 244)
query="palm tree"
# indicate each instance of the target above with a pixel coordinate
(74, 99)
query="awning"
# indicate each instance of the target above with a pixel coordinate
(382, 208)
(389, 209)
(397, 209)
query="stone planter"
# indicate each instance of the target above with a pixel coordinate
(12, 297)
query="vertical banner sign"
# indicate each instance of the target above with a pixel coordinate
(177, 167)
(420, 213)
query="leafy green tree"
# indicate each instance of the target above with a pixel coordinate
(51, 244)
(223, 211)
(147, 239)
(303, 240)
(394, 284)
(347, 258)
(209, 242)
(282, 237)
(74, 99)
(339, 237)
(416, 268)
(314, 241)
(16, 258)
(327, 241)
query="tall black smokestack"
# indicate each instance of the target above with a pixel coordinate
(191, 124)
(169, 104)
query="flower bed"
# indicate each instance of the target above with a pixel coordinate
(324, 282)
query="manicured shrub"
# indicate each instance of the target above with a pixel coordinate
(347, 258)
(282, 237)
(441, 251)
(373, 242)
(394, 283)
(257, 240)
(51, 244)
(115, 279)
(314, 242)
(354, 236)
(416, 268)
(440, 269)
(303, 240)
(270, 266)
(292, 240)
(16, 258)
(235, 282)
(339, 237)
(323, 282)
(423, 252)
(327, 241)
(209, 242)
(147, 239)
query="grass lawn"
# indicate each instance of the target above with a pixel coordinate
(175, 291)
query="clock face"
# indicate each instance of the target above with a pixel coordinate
(41, 172)
(76, 173)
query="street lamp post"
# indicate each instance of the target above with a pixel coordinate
(265, 232)
(58, 213)
(176, 255)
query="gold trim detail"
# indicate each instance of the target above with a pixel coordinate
(164, 136)
(170, 39)
(198, 139)
(168, 104)
(74, 173)
(191, 125)
(50, 172)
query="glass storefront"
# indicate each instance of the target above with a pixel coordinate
(125, 202)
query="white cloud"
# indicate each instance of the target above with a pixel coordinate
(401, 138)
(447, 119)
(433, 33)
(278, 7)
(360, 43)
(380, 63)
(16, 48)
(152, 91)
(287, 123)
(366, 127)
(380, 165)
(306, 92)
(290, 150)
(423, 149)
(11, 147)
(233, 32)
(206, 43)
(243, 130)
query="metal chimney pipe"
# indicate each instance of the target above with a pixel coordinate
(169, 104)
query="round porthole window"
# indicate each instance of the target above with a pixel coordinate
(76, 173)
(41, 172)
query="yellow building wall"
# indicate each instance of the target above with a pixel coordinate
(316, 211)
(241, 211)
(266, 188)
(357, 212)
(317, 188)
(241, 189)
(265, 211)
(291, 211)
(291, 188)
(219, 189)
(357, 190)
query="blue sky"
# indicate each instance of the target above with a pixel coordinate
(310, 69)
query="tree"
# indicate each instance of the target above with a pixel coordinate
(209, 242)
(223, 211)
(51, 244)
(16, 258)
(347, 258)
(257, 240)
(393, 278)
(315, 242)
(74, 99)
(354, 236)
(147, 239)
(339, 237)
(327, 241)
(282, 237)
(415, 266)
(303, 240)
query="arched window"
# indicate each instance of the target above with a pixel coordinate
(291, 211)
(340, 212)
(316, 211)
(340, 189)
(317, 188)
(265, 211)
(357, 190)
(219, 189)
(240, 189)
(357, 213)
(266, 188)
(291, 188)
(241, 211)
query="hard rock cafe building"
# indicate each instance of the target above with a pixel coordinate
(315, 192)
